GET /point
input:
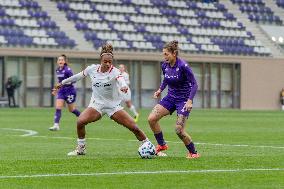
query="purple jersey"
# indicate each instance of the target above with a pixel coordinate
(63, 73)
(180, 80)
(66, 92)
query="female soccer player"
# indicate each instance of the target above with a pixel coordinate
(182, 87)
(65, 94)
(127, 96)
(106, 84)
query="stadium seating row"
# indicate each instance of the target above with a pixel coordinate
(146, 24)
(23, 23)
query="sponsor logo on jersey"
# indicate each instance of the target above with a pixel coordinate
(99, 84)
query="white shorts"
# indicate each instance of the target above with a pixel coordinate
(106, 109)
(126, 96)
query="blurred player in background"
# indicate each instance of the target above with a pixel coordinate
(126, 97)
(106, 84)
(182, 88)
(66, 94)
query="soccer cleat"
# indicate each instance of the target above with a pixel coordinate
(55, 127)
(160, 148)
(136, 118)
(80, 150)
(161, 154)
(192, 156)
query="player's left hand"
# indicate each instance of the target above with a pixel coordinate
(188, 105)
(124, 89)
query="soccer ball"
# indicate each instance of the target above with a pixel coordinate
(146, 150)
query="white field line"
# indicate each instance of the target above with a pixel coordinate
(143, 172)
(32, 133)
(199, 143)
(28, 132)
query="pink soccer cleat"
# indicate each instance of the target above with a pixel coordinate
(192, 156)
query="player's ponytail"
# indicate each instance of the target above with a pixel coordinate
(106, 50)
(172, 46)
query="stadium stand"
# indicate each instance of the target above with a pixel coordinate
(280, 3)
(200, 27)
(23, 23)
(257, 11)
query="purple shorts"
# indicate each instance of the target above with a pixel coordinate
(67, 94)
(172, 104)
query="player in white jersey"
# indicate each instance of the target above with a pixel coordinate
(126, 97)
(106, 84)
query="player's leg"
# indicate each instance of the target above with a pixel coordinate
(87, 116)
(132, 109)
(182, 134)
(157, 113)
(123, 118)
(59, 104)
(72, 109)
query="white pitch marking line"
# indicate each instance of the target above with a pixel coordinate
(29, 132)
(142, 173)
(201, 143)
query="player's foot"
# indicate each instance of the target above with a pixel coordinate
(136, 118)
(161, 154)
(55, 127)
(80, 150)
(160, 148)
(192, 156)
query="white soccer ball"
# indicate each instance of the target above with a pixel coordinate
(146, 150)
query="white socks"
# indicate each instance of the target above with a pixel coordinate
(81, 142)
(133, 110)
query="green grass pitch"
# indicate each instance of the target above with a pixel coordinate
(239, 149)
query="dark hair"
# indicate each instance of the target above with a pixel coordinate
(106, 49)
(172, 46)
(65, 58)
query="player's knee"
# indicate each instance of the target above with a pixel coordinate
(152, 119)
(81, 122)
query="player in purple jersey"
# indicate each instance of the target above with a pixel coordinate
(65, 94)
(182, 88)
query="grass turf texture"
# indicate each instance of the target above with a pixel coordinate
(112, 151)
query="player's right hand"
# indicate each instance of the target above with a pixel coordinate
(54, 92)
(56, 88)
(157, 93)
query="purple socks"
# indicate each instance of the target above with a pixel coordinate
(57, 116)
(191, 148)
(160, 138)
(76, 112)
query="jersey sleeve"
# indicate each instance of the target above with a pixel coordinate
(163, 84)
(87, 70)
(191, 78)
(68, 72)
(119, 78)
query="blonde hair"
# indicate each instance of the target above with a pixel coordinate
(172, 46)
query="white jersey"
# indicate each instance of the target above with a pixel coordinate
(104, 85)
(126, 96)
(126, 77)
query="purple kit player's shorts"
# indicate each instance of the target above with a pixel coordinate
(172, 104)
(68, 94)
